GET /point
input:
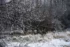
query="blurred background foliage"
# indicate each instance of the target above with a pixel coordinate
(39, 16)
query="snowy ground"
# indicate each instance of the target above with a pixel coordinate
(60, 39)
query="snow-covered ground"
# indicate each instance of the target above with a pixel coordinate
(52, 43)
(57, 39)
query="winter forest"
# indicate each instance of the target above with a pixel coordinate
(24, 17)
(39, 15)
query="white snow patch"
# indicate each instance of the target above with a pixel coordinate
(52, 43)
(57, 39)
